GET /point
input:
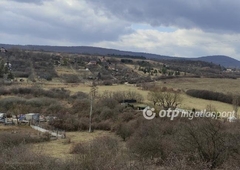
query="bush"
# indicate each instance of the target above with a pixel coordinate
(210, 141)
(8, 140)
(106, 113)
(124, 130)
(101, 153)
(103, 125)
(71, 78)
(210, 95)
(149, 141)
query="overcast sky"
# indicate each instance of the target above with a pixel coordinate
(185, 28)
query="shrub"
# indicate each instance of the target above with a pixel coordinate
(209, 141)
(106, 113)
(124, 130)
(210, 95)
(71, 78)
(103, 125)
(101, 153)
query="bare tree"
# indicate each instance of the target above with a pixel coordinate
(93, 93)
(166, 99)
(18, 109)
(235, 104)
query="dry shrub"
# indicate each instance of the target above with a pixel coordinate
(103, 125)
(124, 130)
(101, 153)
(14, 139)
(210, 141)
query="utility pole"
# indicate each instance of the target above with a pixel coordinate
(92, 96)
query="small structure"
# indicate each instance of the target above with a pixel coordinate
(129, 101)
(138, 106)
(8, 121)
(32, 117)
(2, 117)
(8, 66)
(3, 50)
(92, 63)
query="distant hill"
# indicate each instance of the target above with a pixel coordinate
(85, 50)
(222, 60)
(216, 59)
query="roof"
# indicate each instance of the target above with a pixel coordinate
(32, 114)
(92, 62)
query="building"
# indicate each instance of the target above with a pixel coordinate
(92, 63)
(3, 50)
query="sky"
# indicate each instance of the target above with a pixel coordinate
(181, 28)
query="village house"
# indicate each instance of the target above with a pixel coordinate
(92, 63)
(3, 50)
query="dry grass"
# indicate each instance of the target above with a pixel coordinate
(219, 85)
(9, 127)
(200, 104)
(213, 84)
(63, 70)
(61, 148)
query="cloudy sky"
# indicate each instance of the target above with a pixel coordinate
(185, 28)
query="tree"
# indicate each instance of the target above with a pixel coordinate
(92, 94)
(164, 70)
(1, 68)
(18, 109)
(235, 103)
(208, 140)
(164, 98)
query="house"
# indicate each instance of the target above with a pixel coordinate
(3, 50)
(92, 63)
(128, 101)
(138, 106)
(2, 117)
(32, 116)
(8, 65)
(103, 59)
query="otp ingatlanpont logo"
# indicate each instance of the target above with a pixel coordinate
(148, 113)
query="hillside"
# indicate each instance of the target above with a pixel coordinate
(222, 60)
(216, 59)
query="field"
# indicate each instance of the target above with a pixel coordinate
(213, 84)
(61, 148)
(57, 99)
(218, 85)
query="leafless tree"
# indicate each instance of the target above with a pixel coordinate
(93, 93)
(166, 99)
(235, 104)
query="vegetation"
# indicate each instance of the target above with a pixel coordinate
(210, 95)
(58, 86)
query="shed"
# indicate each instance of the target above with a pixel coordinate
(32, 116)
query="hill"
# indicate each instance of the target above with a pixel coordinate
(222, 60)
(216, 59)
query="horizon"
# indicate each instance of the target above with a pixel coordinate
(120, 50)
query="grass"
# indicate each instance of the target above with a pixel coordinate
(61, 149)
(200, 104)
(213, 84)
(219, 85)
